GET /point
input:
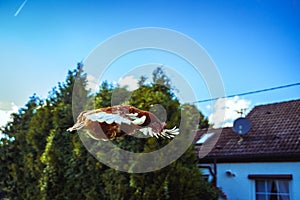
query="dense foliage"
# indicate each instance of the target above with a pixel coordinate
(41, 160)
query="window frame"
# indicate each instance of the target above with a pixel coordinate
(270, 177)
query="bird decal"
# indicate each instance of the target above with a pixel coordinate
(117, 121)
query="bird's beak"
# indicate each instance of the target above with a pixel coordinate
(76, 127)
(71, 129)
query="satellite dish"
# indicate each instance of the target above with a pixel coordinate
(241, 125)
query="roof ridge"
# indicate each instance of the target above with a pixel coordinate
(275, 103)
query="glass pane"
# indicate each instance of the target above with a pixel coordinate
(274, 187)
(269, 186)
(283, 187)
(284, 197)
(260, 197)
(260, 186)
(272, 197)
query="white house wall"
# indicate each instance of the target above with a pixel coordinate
(238, 187)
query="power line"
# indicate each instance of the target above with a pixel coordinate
(248, 93)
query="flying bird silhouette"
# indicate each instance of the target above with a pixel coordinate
(116, 121)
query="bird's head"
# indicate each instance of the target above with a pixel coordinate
(80, 122)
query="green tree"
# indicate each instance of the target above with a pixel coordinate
(103, 97)
(19, 158)
(180, 180)
(41, 160)
(68, 166)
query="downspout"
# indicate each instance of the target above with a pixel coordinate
(215, 174)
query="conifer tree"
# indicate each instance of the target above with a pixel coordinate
(64, 155)
(41, 160)
(19, 159)
(181, 179)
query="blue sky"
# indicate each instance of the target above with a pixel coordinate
(254, 44)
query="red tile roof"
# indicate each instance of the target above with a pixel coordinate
(274, 135)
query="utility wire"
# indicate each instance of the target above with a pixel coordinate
(248, 93)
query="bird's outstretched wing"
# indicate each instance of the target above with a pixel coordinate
(110, 118)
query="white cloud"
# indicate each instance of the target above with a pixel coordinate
(226, 110)
(129, 81)
(92, 84)
(6, 109)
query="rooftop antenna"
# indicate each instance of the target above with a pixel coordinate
(242, 111)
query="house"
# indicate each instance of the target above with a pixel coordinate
(264, 163)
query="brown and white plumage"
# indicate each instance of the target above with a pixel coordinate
(116, 121)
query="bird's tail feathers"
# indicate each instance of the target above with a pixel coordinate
(170, 133)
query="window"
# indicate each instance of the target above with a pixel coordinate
(204, 138)
(272, 190)
(205, 177)
(272, 187)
